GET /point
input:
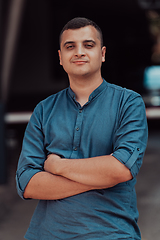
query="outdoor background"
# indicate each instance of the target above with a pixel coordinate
(30, 72)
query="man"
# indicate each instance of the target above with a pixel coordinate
(83, 148)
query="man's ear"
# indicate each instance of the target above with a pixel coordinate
(103, 53)
(60, 59)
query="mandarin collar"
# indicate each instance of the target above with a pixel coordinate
(97, 91)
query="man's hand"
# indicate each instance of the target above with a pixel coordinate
(102, 171)
(47, 185)
(52, 163)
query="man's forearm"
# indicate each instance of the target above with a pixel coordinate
(46, 186)
(103, 171)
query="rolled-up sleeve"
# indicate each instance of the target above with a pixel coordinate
(131, 134)
(33, 155)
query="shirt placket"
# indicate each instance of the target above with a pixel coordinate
(77, 134)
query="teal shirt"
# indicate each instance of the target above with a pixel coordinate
(112, 121)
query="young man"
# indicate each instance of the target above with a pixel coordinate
(83, 148)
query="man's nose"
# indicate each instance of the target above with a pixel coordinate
(80, 51)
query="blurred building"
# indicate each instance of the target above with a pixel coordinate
(30, 72)
(35, 72)
(29, 63)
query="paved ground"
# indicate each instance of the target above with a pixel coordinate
(148, 190)
(15, 213)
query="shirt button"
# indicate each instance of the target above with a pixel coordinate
(77, 128)
(80, 111)
(75, 149)
(138, 149)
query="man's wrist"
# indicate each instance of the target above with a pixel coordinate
(61, 166)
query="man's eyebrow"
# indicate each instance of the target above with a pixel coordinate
(89, 41)
(68, 42)
(85, 41)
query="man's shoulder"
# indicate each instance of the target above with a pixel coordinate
(54, 96)
(48, 103)
(122, 90)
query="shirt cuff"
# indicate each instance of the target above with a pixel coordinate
(23, 179)
(128, 159)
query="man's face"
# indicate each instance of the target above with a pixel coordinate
(81, 53)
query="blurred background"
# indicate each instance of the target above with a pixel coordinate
(30, 72)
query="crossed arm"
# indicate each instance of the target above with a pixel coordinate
(67, 177)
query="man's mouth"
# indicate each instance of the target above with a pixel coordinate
(79, 62)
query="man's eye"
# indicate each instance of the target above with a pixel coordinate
(89, 45)
(70, 46)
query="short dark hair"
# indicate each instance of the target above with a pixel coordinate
(80, 22)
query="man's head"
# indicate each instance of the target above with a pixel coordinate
(80, 22)
(81, 52)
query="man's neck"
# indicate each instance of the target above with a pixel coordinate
(83, 87)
